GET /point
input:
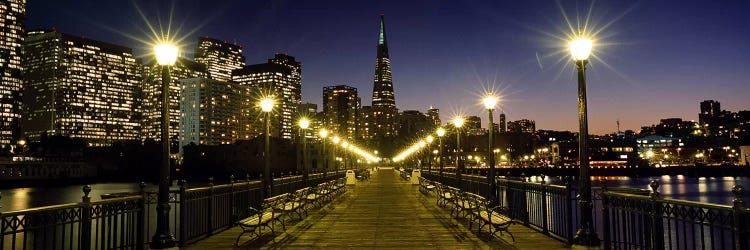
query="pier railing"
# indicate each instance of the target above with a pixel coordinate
(624, 218)
(128, 220)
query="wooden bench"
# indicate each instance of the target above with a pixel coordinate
(264, 217)
(425, 185)
(294, 203)
(446, 195)
(494, 218)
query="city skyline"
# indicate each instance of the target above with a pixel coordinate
(438, 45)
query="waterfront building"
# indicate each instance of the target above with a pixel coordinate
(220, 57)
(341, 106)
(522, 126)
(13, 18)
(152, 92)
(211, 112)
(384, 109)
(280, 78)
(81, 88)
(414, 124)
(434, 115)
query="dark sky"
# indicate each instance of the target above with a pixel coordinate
(655, 59)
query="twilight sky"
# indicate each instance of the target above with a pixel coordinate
(655, 59)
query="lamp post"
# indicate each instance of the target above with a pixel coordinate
(304, 123)
(489, 103)
(336, 141)
(345, 146)
(323, 133)
(429, 140)
(440, 133)
(458, 122)
(580, 49)
(166, 56)
(266, 105)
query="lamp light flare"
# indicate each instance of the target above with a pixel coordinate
(166, 54)
(580, 48)
(336, 140)
(266, 104)
(490, 101)
(458, 122)
(304, 123)
(323, 133)
(429, 139)
(440, 132)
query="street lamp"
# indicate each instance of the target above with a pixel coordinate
(304, 123)
(458, 122)
(429, 140)
(323, 133)
(166, 55)
(336, 141)
(345, 146)
(489, 103)
(440, 133)
(266, 105)
(580, 49)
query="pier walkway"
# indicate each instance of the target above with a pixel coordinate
(383, 212)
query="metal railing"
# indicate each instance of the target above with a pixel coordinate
(129, 220)
(625, 218)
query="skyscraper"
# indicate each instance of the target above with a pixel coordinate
(384, 110)
(522, 126)
(211, 111)
(280, 77)
(80, 88)
(709, 109)
(341, 106)
(152, 89)
(434, 115)
(220, 57)
(13, 19)
(501, 126)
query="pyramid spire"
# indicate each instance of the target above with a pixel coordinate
(381, 40)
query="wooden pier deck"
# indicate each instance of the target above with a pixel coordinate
(383, 212)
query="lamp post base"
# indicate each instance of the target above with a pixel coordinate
(586, 239)
(163, 241)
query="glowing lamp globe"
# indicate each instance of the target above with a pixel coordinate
(166, 54)
(304, 123)
(266, 104)
(430, 139)
(440, 132)
(323, 133)
(580, 48)
(490, 101)
(458, 122)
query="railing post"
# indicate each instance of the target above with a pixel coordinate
(545, 226)
(141, 218)
(86, 219)
(569, 207)
(524, 207)
(183, 212)
(657, 230)
(231, 190)
(741, 216)
(210, 216)
(605, 215)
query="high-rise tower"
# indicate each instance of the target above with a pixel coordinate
(384, 110)
(13, 19)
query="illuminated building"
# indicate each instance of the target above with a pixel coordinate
(414, 123)
(434, 115)
(522, 126)
(309, 111)
(501, 126)
(80, 88)
(341, 106)
(211, 111)
(281, 77)
(384, 110)
(365, 124)
(220, 58)
(151, 87)
(13, 18)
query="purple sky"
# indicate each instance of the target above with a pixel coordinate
(656, 59)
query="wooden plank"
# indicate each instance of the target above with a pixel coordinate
(383, 212)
